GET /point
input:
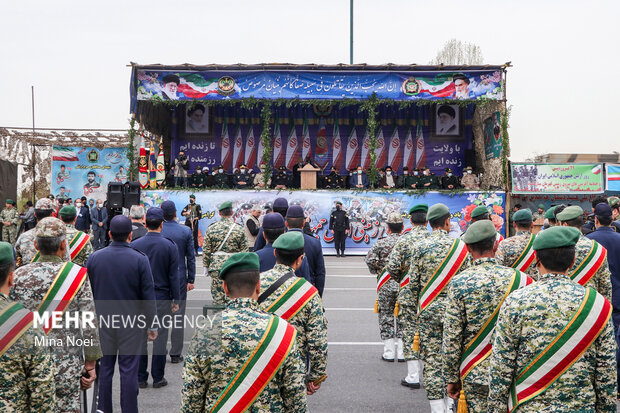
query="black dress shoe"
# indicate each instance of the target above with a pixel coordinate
(163, 382)
(342, 255)
(403, 382)
(143, 384)
(176, 359)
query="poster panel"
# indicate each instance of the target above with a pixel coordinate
(557, 178)
(612, 173)
(492, 129)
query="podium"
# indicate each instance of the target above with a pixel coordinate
(308, 176)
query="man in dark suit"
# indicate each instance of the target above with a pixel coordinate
(121, 290)
(312, 247)
(181, 235)
(280, 205)
(358, 179)
(136, 214)
(82, 222)
(164, 260)
(99, 219)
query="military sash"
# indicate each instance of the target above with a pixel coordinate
(405, 281)
(499, 237)
(443, 274)
(479, 348)
(62, 291)
(77, 244)
(382, 278)
(15, 320)
(273, 349)
(590, 265)
(565, 349)
(293, 299)
(527, 256)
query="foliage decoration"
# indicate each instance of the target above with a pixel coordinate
(372, 123)
(505, 147)
(265, 136)
(131, 150)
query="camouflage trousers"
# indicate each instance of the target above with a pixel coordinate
(387, 302)
(407, 317)
(9, 234)
(430, 327)
(476, 396)
(217, 290)
(67, 380)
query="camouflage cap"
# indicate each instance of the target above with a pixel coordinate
(290, 241)
(68, 210)
(241, 261)
(522, 215)
(571, 212)
(44, 204)
(437, 211)
(556, 237)
(6, 253)
(394, 218)
(479, 231)
(50, 227)
(550, 214)
(614, 201)
(478, 211)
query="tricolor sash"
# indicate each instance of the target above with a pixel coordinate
(565, 349)
(382, 278)
(479, 348)
(590, 265)
(15, 320)
(62, 291)
(78, 243)
(273, 349)
(527, 256)
(499, 237)
(405, 281)
(293, 299)
(443, 274)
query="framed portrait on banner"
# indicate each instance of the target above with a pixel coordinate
(447, 121)
(197, 119)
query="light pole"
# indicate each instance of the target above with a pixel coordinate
(351, 34)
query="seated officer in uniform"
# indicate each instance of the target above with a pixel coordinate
(281, 180)
(449, 181)
(242, 179)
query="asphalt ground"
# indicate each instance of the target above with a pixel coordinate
(358, 380)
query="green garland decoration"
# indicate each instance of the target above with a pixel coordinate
(505, 146)
(265, 136)
(372, 123)
(131, 150)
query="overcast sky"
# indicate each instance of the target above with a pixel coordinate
(563, 88)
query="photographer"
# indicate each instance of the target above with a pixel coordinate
(181, 166)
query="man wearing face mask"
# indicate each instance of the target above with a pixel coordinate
(388, 181)
(358, 180)
(192, 213)
(242, 179)
(414, 181)
(333, 180)
(339, 225)
(281, 180)
(259, 178)
(428, 180)
(82, 222)
(220, 179)
(99, 219)
(470, 180)
(449, 181)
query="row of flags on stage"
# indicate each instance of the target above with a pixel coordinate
(152, 172)
(346, 150)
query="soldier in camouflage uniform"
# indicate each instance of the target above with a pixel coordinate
(376, 259)
(26, 370)
(510, 249)
(10, 218)
(68, 215)
(24, 246)
(310, 321)
(221, 239)
(473, 296)
(534, 316)
(539, 214)
(32, 282)
(572, 216)
(397, 265)
(219, 350)
(427, 256)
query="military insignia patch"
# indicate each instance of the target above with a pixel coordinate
(411, 86)
(226, 86)
(92, 156)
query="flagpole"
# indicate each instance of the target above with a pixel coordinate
(351, 34)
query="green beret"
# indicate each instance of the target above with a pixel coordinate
(9, 201)
(571, 212)
(478, 211)
(556, 237)
(6, 253)
(522, 215)
(550, 213)
(289, 241)
(541, 206)
(338, 202)
(479, 231)
(68, 210)
(224, 205)
(437, 211)
(192, 196)
(418, 208)
(241, 261)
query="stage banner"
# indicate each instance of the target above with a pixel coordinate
(493, 136)
(557, 178)
(612, 172)
(367, 210)
(78, 171)
(221, 85)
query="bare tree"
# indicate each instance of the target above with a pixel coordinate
(456, 52)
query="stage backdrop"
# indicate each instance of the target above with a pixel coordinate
(367, 210)
(557, 178)
(78, 171)
(331, 136)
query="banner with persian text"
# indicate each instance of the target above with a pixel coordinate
(367, 210)
(219, 85)
(78, 171)
(557, 178)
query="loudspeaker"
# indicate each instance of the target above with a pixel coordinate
(132, 194)
(115, 195)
